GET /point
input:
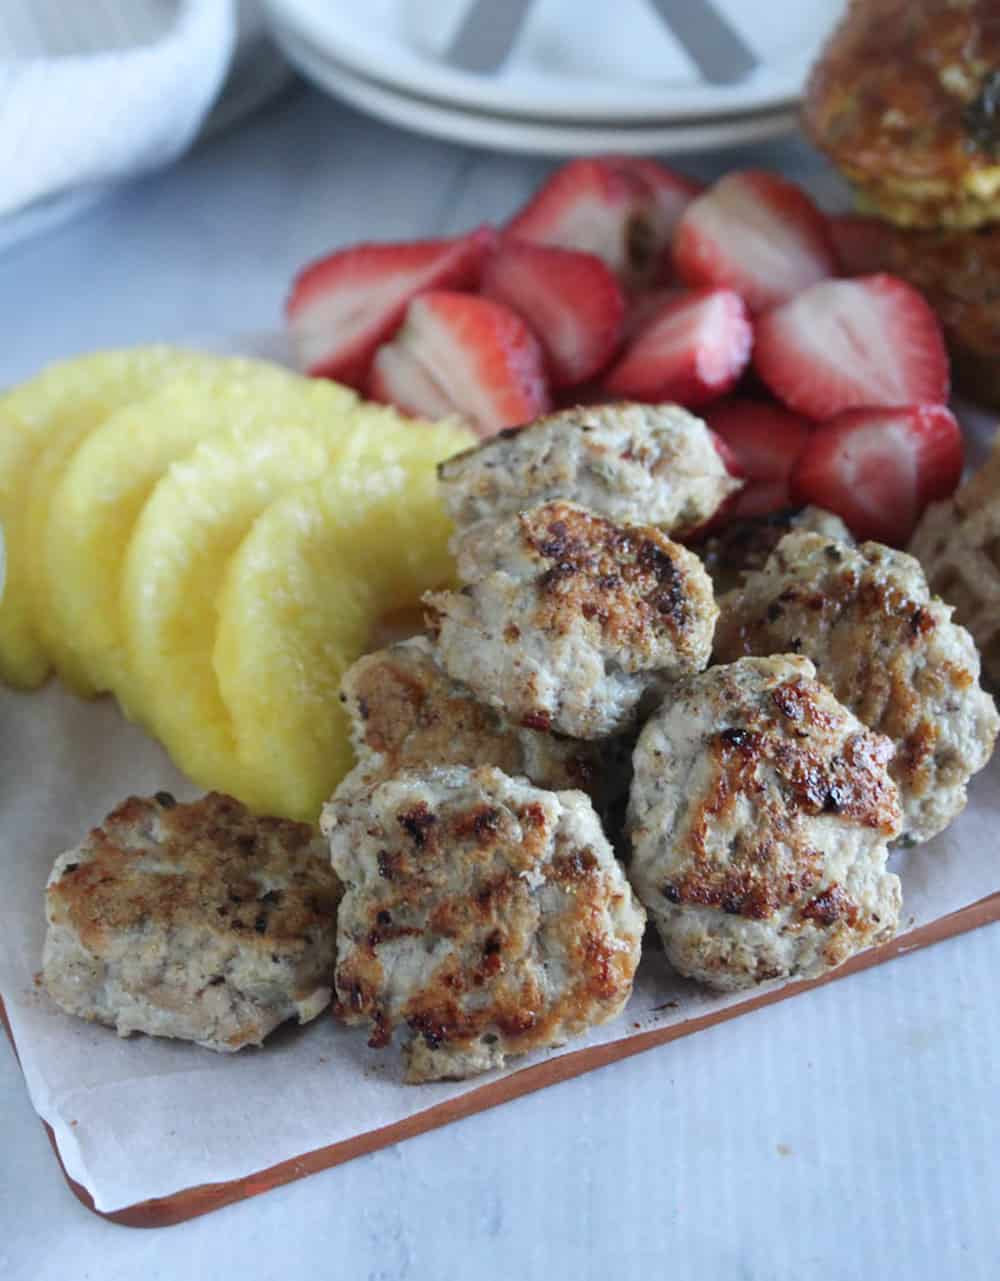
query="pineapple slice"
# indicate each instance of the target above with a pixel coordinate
(191, 525)
(301, 597)
(86, 522)
(72, 397)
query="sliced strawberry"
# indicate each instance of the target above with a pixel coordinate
(760, 498)
(642, 307)
(861, 243)
(572, 301)
(755, 233)
(461, 354)
(619, 208)
(343, 306)
(765, 439)
(398, 379)
(692, 351)
(671, 194)
(879, 468)
(844, 344)
(728, 455)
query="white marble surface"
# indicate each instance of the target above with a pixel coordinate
(851, 1132)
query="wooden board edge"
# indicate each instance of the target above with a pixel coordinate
(189, 1203)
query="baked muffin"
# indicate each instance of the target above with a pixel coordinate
(905, 100)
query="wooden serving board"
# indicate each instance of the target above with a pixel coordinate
(190, 1202)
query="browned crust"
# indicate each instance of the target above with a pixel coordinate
(775, 870)
(490, 913)
(876, 101)
(411, 713)
(876, 680)
(214, 844)
(630, 581)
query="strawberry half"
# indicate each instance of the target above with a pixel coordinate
(669, 194)
(343, 306)
(621, 209)
(571, 300)
(457, 353)
(861, 243)
(642, 307)
(879, 468)
(844, 344)
(692, 350)
(766, 441)
(757, 234)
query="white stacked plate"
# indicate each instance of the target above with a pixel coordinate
(580, 76)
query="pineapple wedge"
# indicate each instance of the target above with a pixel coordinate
(175, 565)
(301, 597)
(84, 525)
(71, 397)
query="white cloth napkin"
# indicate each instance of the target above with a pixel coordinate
(95, 90)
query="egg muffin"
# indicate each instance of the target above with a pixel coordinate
(905, 100)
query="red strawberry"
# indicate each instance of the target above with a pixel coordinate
(728, 455)
(644, 306)
(861, 243)
(847, 343)
(766, 441)
(621, 209)
(571, 299)
(457, 353)
(671, 193)
(692, 351)
(755, 233)
(879, 468)
(724, 513)
(343, 306)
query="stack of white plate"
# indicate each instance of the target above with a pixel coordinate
(579, 76)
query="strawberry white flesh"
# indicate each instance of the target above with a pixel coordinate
(398, 379)
(474, 356)
(692, 351)
(343, 306)
(757, 234)
(844, 344)
(572, 301)
(879, 468)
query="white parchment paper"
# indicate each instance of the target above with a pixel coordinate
(145, 1118)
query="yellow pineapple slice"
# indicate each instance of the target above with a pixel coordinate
(300, 600)
(175, 565)
(71, 397)
(93, 506)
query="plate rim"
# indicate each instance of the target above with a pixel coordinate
(330, 30)
(505, 133)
